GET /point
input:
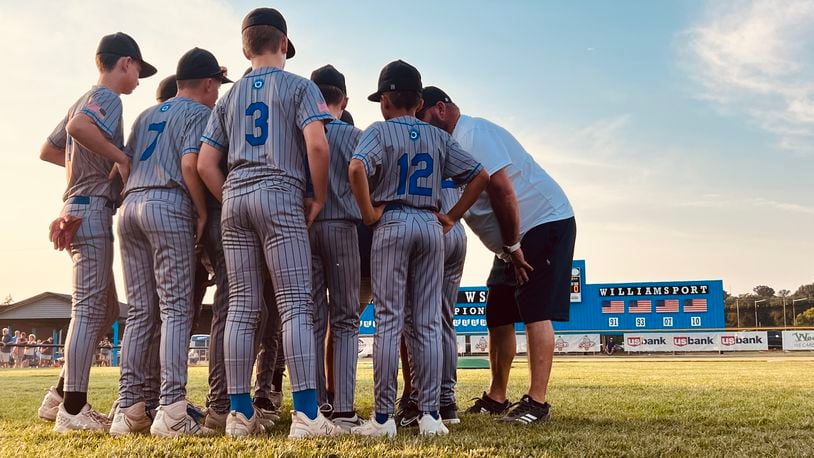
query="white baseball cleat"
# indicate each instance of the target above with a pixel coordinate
(302, 426)
(238, 426)
(429, 426)
(373, 428)
(173, 421)
(130, 420)
(86, 420)
(50, 405)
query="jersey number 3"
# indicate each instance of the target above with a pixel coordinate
(415, 189)
(260, 122)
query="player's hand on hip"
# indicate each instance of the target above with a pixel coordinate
(200, 228)
(447, 223)
(373, 216)
(312, 209)
(122, 169)
(522, 269)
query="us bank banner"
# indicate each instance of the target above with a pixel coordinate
(696, 341)
(798, 340)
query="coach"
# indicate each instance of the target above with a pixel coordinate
(525, 218)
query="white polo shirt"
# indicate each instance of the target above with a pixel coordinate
(539, 198)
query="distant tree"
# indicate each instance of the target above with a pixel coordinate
(806, 318)
(8, 300)
(805, 291)
(783, 293)
(764, 291)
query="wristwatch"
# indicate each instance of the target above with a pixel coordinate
(509, 249)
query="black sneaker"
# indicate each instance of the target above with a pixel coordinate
(485, 404)
(526, 411)
(449, 414)
(407, 414)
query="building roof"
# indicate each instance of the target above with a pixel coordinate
(47, 305)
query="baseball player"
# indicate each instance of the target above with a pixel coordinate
(271, 122)
(163, 215)
(454, 256)
(407, 159)
(335, 259)
(88, 143)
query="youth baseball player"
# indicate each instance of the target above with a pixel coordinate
(163, 215)
(454, 256)
(270, 123)
(406, 160)
(335, 259)
(88, 143)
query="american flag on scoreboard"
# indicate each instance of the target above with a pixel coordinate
(613, 306)
(667, 306)
(640, 306)
(695, 305)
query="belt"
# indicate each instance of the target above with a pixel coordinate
(85, 200)
(391, 207)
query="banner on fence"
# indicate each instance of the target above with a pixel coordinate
(696, 341)
(576, 343)
(798, 340)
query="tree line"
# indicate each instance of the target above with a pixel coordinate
(770, 308)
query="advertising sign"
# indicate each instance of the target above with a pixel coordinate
(697, 341)
(798, 340)
(576, 343)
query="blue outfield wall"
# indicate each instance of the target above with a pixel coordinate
(608, 307)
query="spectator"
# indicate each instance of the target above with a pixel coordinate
(105, 350)
(29, 356)
(5, 348)
(19, 349)
(610, 346)
(46, 351)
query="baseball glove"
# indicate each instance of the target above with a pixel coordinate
(63, 230)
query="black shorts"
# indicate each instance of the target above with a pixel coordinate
(549, 248)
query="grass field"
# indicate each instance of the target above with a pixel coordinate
(615, 406)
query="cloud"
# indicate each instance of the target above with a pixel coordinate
(715, 201)
(754, 57)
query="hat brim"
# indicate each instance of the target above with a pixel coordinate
(290, 53)
(147, 70)
(224, 79)
(375, 97)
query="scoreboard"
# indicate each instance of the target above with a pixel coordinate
(611, 307)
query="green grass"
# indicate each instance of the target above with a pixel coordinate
(614, 406)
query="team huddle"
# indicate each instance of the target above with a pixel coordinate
(302, 218)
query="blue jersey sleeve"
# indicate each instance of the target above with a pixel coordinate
(59, 136)
(196, 123)
(104, 108)
(311, 106)
(460, 166)
(369, 150)
(215, 133)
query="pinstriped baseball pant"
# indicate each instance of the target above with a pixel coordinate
(217, 398)
(266, 229)
(158, 256)
(406, 270)
(454, 256)
(336, 277)
(94, 305)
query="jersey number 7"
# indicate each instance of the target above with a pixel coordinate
(157, 127)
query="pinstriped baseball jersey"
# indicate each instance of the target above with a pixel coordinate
(87, 171)
(260, 121)
(160, 136)
(340, 204)
(450, 193)
(407, 159)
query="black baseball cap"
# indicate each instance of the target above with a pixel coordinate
(122, 44)
(167, 89)
(199, 63)
(346, 117)
(397, 76)
(329, 76)
(272, 17)
(433, 95)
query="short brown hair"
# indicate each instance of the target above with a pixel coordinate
(190, 84)
(403, 99)
(106, 62)
(259, 39)
(332, 94)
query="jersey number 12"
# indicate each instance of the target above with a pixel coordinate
(415, 189)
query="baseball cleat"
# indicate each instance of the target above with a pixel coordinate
(174, 420)
(429, 426)
(113, 409)
(526, 411)
(238, 426)
(50, 405)
(407, 414)
(373, 428)
(346, 423)
(485, 404)
(86, 420)
(267, 417)
(302, 426)
(130, 420)
(449, 414)
(276, 398)
(215, 420)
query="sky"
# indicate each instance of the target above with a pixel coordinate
(681, 131)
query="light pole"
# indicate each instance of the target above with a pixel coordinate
(757, 325)
(738, 312)
(784, 311)
(794, 301)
